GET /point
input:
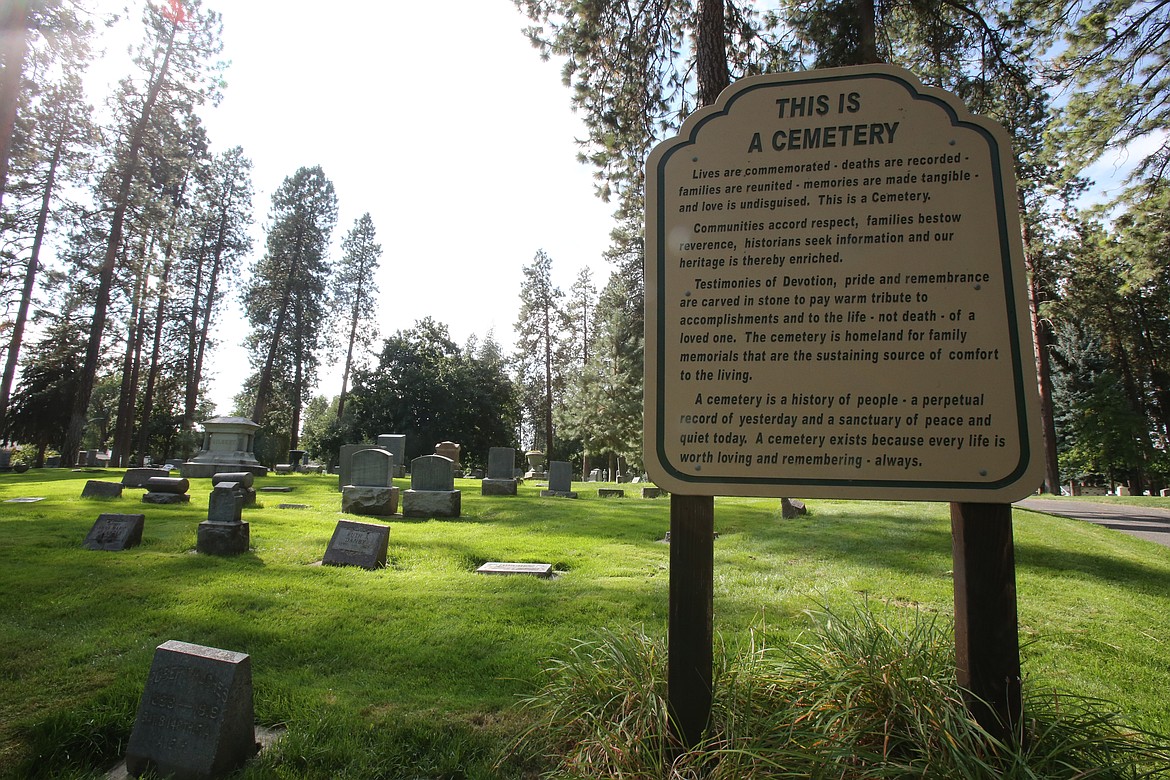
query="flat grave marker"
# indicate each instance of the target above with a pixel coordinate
(534, 569)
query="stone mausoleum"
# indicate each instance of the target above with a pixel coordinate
(228, 445)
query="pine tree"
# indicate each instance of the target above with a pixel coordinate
(539, 357)
(354, 291)
(287, 296)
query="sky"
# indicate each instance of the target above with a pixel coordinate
(447, 128)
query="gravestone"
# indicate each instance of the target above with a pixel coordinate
(358, 544)
(544, 570)
(791, 508)
(243, 480)
(228, 444)
(501, 468)
(136, 478)
(371, 488)
(343, 460)
(651, 492)
(611, 493)
(223, 532)
(115, 532)
(195, 718)
(432, 489)
(167, 490)
(396, 444)
(96, 488)
(560, 480)
(449, 449)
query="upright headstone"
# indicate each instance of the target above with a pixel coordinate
(243, 480)
(501, 467)
(560, 480)
(432, 490)
(115, 532)
(370, 490)
(396, 444)
(223, 532)
(358, 544)
(372, 467)
(449, 449)
(195, 718)
(343, 461)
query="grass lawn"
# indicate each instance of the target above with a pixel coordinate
(420, 665)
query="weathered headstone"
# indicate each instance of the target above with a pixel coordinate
(432, 489)
(535, 569)
(137, 478)
(243, 480)
(791, 508)
(560, 480)
(167, 490)
(343, 460)
(358, 544)
(396, 444)
(372, 467)
(651, 492)
(223, 532)
(115, 532)
(195, 718)
(371, 488)
(501, 468)
(96, 488)
(449, 449)
(610, 493)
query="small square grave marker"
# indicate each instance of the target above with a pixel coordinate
(195, 719)
(115, 532)
(24, 500)
(358, 544)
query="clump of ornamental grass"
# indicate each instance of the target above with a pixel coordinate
(857, 696)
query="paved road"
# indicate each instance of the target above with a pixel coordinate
(1149, 523)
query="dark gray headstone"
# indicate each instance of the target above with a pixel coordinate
(195, 719)
(343, 461)
(560, 476)
(166, 498)
(358, 544)
(115, 532)
(241, 478)
(137, 478)
(174, 485)
(96, 488)
(432, 472)
(372, 467)
(610, 493)
(501, 462)
(396, 444)
(224, 504)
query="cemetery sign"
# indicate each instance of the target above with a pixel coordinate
(835, 297)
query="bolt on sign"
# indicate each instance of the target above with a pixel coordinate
(835, 297)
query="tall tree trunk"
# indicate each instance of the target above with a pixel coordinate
(128, 391)
(711, 39)
(867, 27)
(353, 324)
(1042, 339)
(294, 434)
(548, 420)
(190, 378)
(93, 348)
(153, 367)
(14, 40)
(30, 277)
(264, 386)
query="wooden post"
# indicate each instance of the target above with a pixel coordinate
(689, 642)
(987, 641)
